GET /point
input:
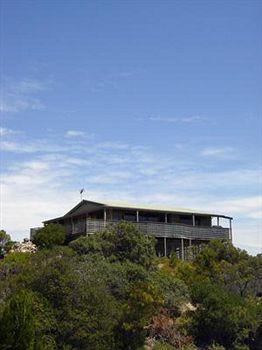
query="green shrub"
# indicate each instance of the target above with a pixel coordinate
(220, 317)
(49, 236)
(24, 321)
(160, 345)
(119, 242)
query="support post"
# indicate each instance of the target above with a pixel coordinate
(182, 249)
(194, 220)
(190, 254)
(165, 218)
(137, 216)
(72, 224)
(104, 217)
(230, 229)
(217, 220)
(165, 249)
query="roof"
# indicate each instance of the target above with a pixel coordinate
(168, 209)
(88, 206)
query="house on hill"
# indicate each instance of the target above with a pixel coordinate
(174, 228)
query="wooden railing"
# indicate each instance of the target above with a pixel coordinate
(164, 230)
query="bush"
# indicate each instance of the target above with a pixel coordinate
(173, 291)
(108, 291)
(24, 322)
(160, 345)
(49, 236)
(5, 242)
(87, 244)
(119, 242)
(220, 317)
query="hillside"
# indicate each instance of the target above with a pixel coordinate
(110, 291)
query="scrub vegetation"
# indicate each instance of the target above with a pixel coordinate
(110, 291)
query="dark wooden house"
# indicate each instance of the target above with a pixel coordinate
(174, 229)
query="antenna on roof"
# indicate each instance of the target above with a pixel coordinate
(81, 193)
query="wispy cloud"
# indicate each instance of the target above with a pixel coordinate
(49, 173)
(18, 96)
(31, 146)
(221, 152)
(251, 206)
(111, 177)
(75, 133)
(183, 120)
(109, 81)
(14, 104)
(7, 132)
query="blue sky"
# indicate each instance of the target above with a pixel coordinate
(142, 101)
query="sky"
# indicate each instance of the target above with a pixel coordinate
(153, 102)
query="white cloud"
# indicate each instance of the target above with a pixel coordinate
(14, 104)
(7, 132)
(113, 145)
(28, 85)
(18, 96)
(248, 206)
(111, 81)
(31, 146)
(189, 119)
(111, 177)
(75, 133)
(247, 235)
(45, 180)
(223, 152)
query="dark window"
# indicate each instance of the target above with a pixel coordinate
(185, 219)
(153, 217)
(129, 216)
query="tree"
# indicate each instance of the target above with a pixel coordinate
(231, 267)
(49, 236)
(5, 241)
(22, 323)
(244, 277)
(173, 291)
(99, 303)
(107, 292)
(119, 242)
(220, 316)
(216, 252)
(86, 311)
(87, 244)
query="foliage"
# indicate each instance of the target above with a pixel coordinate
(5, 242)
(216, 252)
(215, 346)
(108, 291)
(87, 244)
(160, 345)
(166, 329)
(49, 236)
(119, 243)
(174, 291)
(24, 322)
(221, 316)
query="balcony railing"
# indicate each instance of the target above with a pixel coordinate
(163, 229)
